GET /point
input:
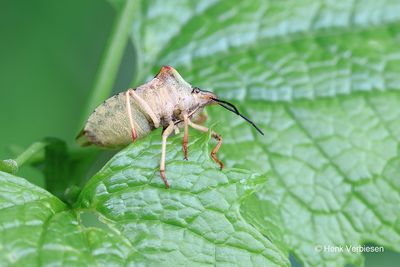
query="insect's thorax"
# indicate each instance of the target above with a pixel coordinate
(169, 98)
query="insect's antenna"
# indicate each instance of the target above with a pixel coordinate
(233, 109)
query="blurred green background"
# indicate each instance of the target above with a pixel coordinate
(49, 56)
(49, 53)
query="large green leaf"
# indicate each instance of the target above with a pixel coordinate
(322, 79)
(140, 222)
(36, 228)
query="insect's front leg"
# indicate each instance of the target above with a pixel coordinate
(167, 131)
(213, 135)
(185, 136)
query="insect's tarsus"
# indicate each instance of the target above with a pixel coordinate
(233, 109)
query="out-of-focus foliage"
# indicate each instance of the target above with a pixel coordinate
(49, 54)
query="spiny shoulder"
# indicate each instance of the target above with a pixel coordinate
(152, 85)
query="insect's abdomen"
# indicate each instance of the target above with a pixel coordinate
(109, 126)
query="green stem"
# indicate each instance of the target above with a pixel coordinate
(31, 151)
(12, 165)
(112, 56)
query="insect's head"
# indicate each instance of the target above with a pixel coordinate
(204, 98)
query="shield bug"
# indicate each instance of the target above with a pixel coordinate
(166, 101)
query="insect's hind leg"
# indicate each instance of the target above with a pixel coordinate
(213, 135)
(167, 131)
(145, 107)
(185, 136)
(129, 111)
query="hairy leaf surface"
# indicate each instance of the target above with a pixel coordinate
(139, 221)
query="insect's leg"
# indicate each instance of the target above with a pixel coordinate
(185, 136)
(145, 107)
(213, 135)
(201, 118)
(167, 131)
(218, 137)
(129, 111)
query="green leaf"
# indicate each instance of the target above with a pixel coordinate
(134, 219)
(9, 165)
(196, 221)
(36, 228)
(321, 79)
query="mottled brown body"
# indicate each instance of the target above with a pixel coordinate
(167, 101)
(168, 95)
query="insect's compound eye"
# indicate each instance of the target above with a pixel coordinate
(196, 90)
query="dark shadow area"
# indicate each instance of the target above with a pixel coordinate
(294, 261)
(388, 258)
(90, 219)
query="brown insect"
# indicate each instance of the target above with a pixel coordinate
(167, 101)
